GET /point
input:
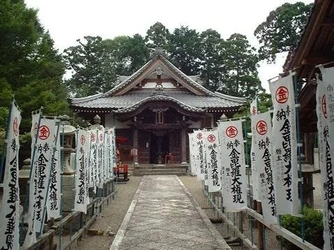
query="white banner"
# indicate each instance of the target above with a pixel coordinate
(234, 183)
(92, 166)
(254, 180)
(109, 153)
(54, 194)
(213, 160)
(262, 139)
(285, 146)
(200, 165)
(81, 198)
(10, 206)
(324, 95)
(100, 159)
(30, 216)
(42, 165)
(205, 133)
(192, 153)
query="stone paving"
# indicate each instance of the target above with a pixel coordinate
(164, 216)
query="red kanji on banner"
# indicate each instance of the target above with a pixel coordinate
(199, 136)
(44, 132)
(262, 127)
(282, 95)
(231, 131)
(211, 138)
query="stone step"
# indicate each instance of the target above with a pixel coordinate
(159, 173)
(160, 169)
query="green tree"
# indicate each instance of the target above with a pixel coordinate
(137, 53)
(90, 64)
(157, 36)
(212, 55)
(282, 29)
(19, 32)
(184, 50)
(28, 61)
(241, 62)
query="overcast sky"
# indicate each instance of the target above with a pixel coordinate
(69, 20)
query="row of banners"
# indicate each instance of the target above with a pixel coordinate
(217, 156)
(93, 161)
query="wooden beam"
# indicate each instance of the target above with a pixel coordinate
(328, 21)
(318, 58)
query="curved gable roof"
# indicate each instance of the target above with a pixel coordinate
(158, 60)
(189, 93)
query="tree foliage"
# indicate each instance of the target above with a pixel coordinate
(241, 62)
(184, 50)
(282, 29)
(95, 63)
(212, 59)
(90, 64)
(157, 36)
(31, 68)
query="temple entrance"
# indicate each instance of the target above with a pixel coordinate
(159, 147)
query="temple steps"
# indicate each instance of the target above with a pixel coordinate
(160, 169)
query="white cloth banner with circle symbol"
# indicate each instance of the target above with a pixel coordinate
(199, 150)
(234, 181)
(254, 180)
(285, 146)
(92, 166)
(81, 198)
(262, 139)
(213, 160)
(325, 115)
(10, 207)
(101, 178)
(39, 177)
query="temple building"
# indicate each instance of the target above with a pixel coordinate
(155, 108)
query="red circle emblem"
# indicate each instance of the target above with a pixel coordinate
(231, 131)
(211, 138)
(324, 106)
(44, 132)
(82, 139)
(261, 127)
(92, 137)
(199, 136)
(16, 126)
(282, 95)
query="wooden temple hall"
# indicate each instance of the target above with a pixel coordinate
(154, 109)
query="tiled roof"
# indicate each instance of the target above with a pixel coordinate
(125, 96)
(185, 99)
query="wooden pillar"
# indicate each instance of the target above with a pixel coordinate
(183, 146)
(259, 226)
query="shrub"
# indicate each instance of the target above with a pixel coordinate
(313, 225)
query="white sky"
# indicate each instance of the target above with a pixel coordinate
(69, 20)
